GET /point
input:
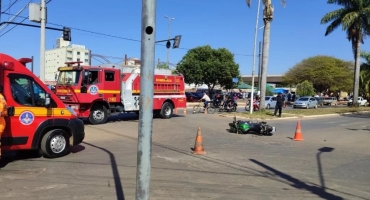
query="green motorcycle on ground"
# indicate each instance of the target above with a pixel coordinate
(244, 127)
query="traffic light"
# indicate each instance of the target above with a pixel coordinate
(176, 43)
(66, 34)
(168, 44)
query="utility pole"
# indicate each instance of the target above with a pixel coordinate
(169, 36)
(259, 68)
(32, 65)
(254, 57)
(42, 40)
(144, 147)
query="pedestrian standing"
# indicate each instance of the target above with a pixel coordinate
(3, 112)
(280, 102)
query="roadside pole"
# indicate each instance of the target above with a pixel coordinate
(42, 40)
(144, 147)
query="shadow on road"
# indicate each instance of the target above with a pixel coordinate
(11, 156)
(253, 172)
(116, 176)
(319, 191)
(357, 115)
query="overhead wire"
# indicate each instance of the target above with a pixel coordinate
(11, 5)
(109, 35)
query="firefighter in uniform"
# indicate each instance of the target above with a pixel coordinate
(3, 112)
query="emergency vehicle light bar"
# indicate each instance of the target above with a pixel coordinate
(70, 68)
(69, 64)
(24, 61)
(7, 65)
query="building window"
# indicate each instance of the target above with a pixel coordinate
(78, 59)
(86, 54)
(86, 60)
(78, 53)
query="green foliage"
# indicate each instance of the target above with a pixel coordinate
(204, 65)
(269, 92)
(163, 66)
(305, 89)
(353, 16)
(324, 72)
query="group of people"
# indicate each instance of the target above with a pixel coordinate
(230, 99)
(280, 102)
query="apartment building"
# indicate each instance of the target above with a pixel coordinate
(64, 52)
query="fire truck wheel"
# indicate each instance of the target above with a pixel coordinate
(98, 115)
(167, 110)
(55, 143)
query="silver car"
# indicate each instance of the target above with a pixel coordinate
(305, 102)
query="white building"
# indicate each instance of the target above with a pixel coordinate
(64, 52)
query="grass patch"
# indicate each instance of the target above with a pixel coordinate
(324, 111)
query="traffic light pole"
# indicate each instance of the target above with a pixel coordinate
(31, 25)
(42, 40)
(144, 147)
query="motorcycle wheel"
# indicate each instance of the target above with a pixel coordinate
(211, 110)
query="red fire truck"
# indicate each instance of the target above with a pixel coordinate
(99, 92)
(36, 118)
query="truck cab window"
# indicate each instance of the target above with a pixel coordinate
(109, 76)
(27, 92)
(90, 78)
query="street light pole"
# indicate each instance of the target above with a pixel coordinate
(42, 40)
(254, 57)
(169, 37)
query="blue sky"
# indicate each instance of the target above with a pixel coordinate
(296, 32)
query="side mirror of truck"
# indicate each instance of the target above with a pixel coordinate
(47, 100)
(83, 89)
(11, 111)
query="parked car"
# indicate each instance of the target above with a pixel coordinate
(360, 101)
(332, 101)
(270, 102)
(305, 102)
(320, 101)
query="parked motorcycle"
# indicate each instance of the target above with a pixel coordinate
(256, 106)
(228, 108)
(244, 127)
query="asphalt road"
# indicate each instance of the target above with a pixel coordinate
(331, 163)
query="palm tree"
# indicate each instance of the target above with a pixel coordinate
(365, 74)
(354, 18)
(268, 15)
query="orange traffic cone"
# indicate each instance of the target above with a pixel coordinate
(175, 111)
(185, 111)
(298, 132)
(198, 147)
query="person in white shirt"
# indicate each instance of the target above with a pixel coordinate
(206, 99)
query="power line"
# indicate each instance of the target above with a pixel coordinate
(112, 36)
(11, 5)
(12, 28)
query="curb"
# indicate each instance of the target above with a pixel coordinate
(303, 116)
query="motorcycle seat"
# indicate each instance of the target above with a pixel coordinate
(263, 122)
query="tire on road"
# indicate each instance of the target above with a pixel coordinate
(55, 143)
(167, 110)
(98, 114)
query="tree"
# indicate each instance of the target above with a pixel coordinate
(163, 66)
(365, 74)
(354, 18)
(305, 89)
(204, 65)
(268, 15)
(324, 72)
